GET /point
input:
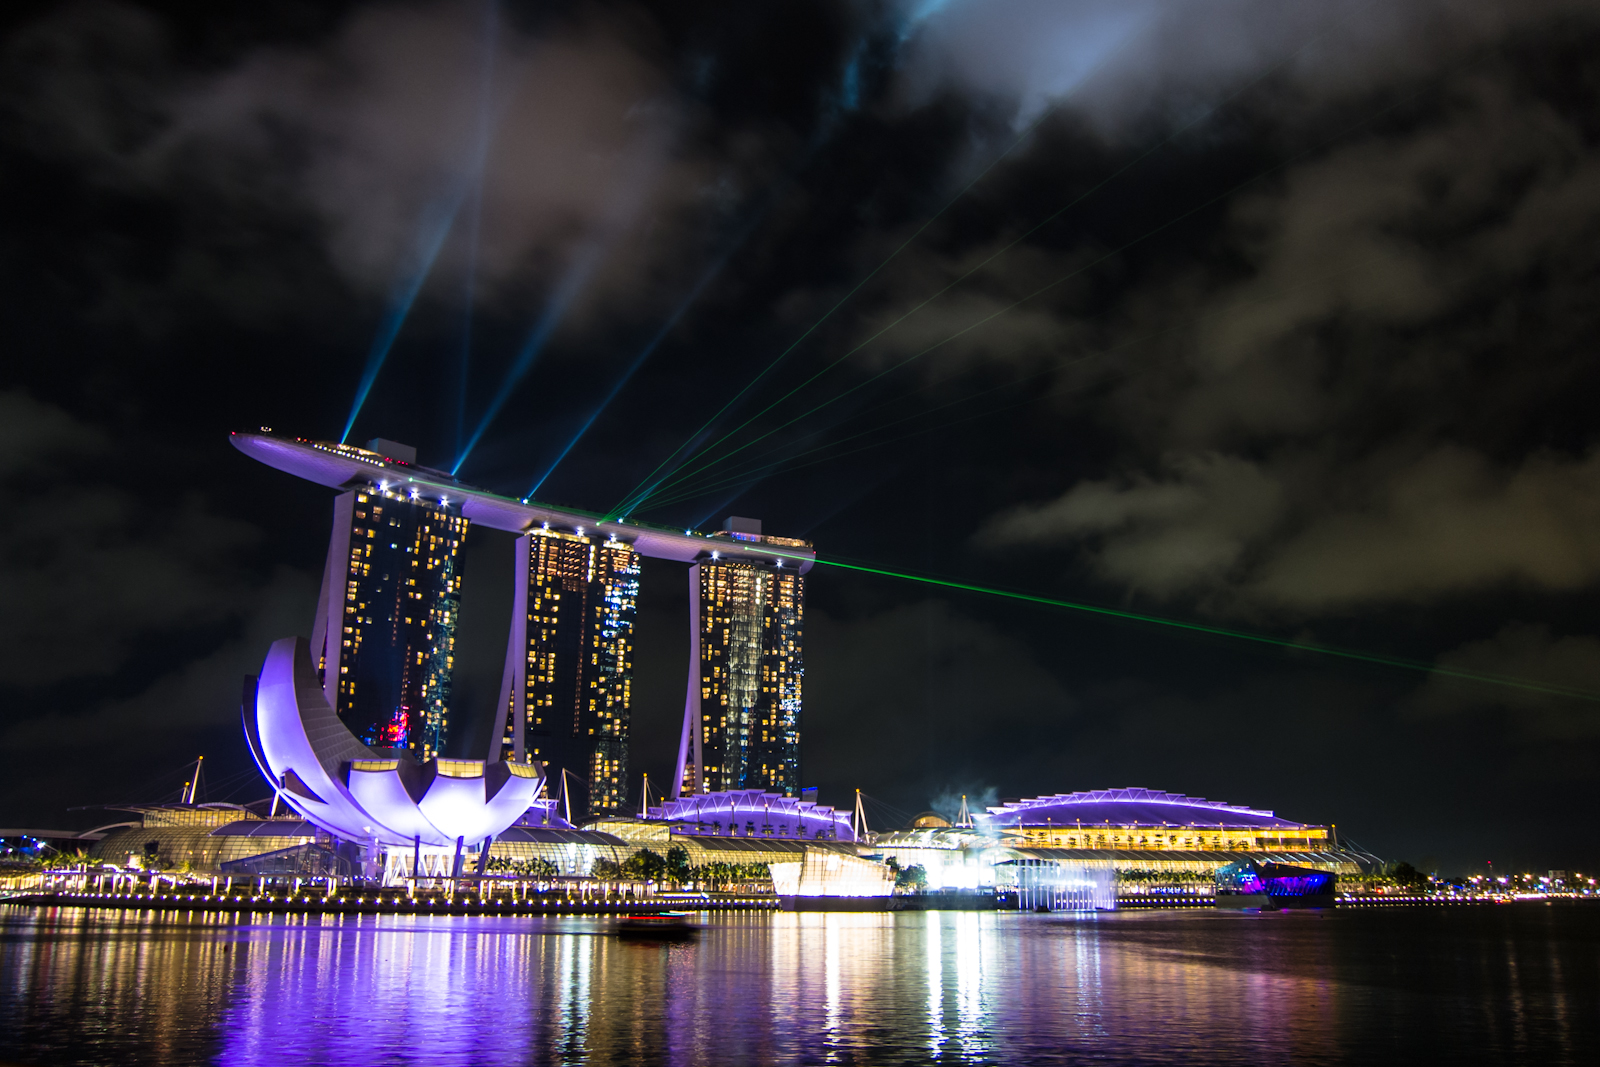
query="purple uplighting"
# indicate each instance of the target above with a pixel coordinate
(1127, 807)
(359, 794)
(752, 813)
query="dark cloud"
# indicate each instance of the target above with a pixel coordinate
(101, 568)
(1318, 431)
(1523, 651)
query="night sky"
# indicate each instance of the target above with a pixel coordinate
(1279, 317)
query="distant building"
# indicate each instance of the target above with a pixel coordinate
(1143, 835)
(384, 638)
(753, 813)
(741, 727)
(567, 690)
(1146, 820)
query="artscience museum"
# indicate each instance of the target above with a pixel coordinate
(381, 797)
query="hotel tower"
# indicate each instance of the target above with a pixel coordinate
(567, 690)
(383, 639)
(741, 726)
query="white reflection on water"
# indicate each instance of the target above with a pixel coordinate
(113, 987)
(933, 955)
(970, 1030)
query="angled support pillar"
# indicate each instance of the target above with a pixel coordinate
(689, 754)
(513, 703)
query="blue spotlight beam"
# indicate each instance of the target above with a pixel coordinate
(646, 486)
(555, 309)
(638, 361)
(480, 159)
(589, 256)
(436, 223)
(667, 479)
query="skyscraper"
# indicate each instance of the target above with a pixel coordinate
(567, 691)
(384, 637)
(741, 726)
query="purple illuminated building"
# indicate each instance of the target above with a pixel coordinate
(754, 813)
(382, 798)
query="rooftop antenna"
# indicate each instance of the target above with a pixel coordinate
(965, 818)
(644, 801)
(566, 796)
(193, 788)
(858, 823)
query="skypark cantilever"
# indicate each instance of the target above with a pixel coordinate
(346, 466)
(382, 645)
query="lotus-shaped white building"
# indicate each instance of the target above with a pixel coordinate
(369, 796)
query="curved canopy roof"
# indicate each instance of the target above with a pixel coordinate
(1128, 807)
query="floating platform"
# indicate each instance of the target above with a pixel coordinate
(657, 926)
(799, 903)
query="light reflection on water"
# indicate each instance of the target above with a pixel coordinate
(1495, 984)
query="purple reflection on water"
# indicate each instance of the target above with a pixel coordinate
(1483, 985)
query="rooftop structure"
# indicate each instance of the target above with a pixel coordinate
(753, 813)
(343, 466)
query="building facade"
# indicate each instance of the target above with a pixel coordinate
(567, 690)
(742, 712)
(384, 638)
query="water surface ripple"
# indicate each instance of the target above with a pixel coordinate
(1489, 984)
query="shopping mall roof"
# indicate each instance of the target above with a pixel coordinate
(1127, 807)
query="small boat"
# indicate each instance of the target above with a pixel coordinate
(661, 925)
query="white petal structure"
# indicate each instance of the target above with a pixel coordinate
(353, 792)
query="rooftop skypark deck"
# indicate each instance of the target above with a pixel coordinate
(340, 466)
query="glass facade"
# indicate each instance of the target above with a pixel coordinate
(385, 639)
(570, 690)
(742, 716)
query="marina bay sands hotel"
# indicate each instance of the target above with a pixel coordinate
(383, 640)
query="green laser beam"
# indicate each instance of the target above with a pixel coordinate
(1080, 198)
(782, 466)
(684, 475)
(625, 505)
(636, 501)
(765, 470)
(1220, 631)
(744, 472)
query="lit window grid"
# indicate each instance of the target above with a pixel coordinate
(582, 601)
(752, 679)
(422, 620)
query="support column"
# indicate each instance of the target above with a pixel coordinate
(689, 754)
(327, 630)
(513, 705)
